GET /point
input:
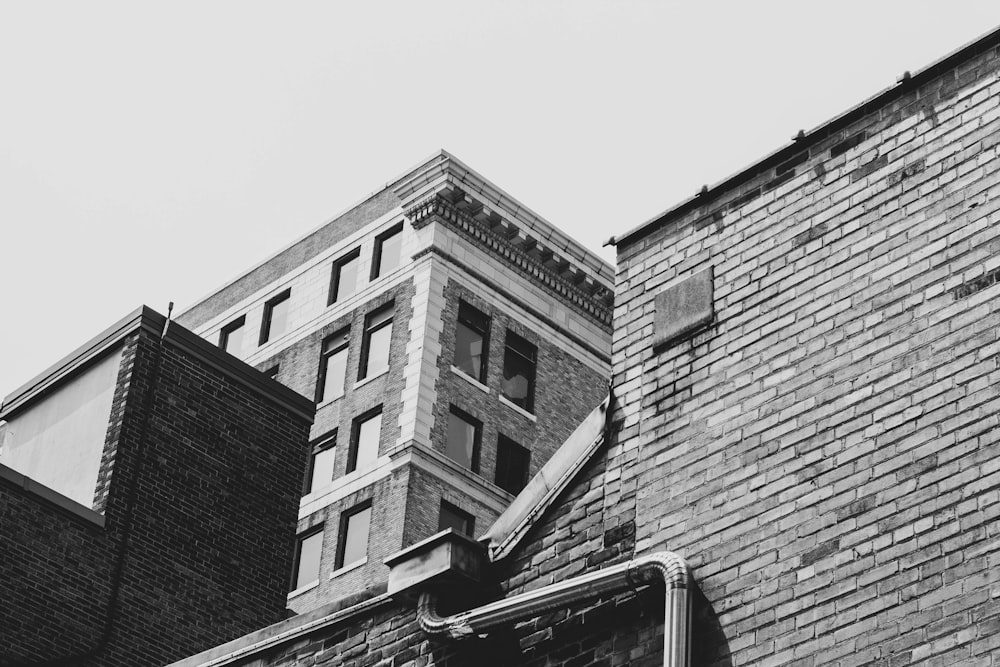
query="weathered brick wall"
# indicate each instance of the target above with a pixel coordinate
(208, 508)
(825, 454)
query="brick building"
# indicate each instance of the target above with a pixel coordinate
(805, 364)
(451, 338)
(147, 502)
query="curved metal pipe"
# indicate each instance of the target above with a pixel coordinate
(663, 565)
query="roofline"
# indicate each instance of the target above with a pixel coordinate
(906, 83)
(153, 322)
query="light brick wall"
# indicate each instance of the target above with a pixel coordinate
(825, 454)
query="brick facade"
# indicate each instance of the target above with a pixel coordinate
(197, 502)
(824, 453)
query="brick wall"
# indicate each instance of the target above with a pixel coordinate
(200, 507)
(825, 454)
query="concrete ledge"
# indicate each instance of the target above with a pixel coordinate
(51, 497)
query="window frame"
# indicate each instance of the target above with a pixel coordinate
(338, 265)
(265, 323)
(529, 400)
(345, 518)
(324, 358)
(477, 436)
(376, 270)
(369, 330)
(485, 333)
(297, 559)
(352, 451)
(457, 511)
(505, 442)
(227, 329)
(321, 444)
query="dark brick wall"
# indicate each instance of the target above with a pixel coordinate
(207, 502)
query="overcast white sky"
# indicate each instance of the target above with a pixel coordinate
(151, 153)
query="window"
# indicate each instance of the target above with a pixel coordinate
(453, 517)
(231, 336)
(321, 462)
(388, 247)
(364, 440)
(519, 361)
(272, 372)
(333, 366)
(512, 465)
(472, 336)
(464, 433)
(275, 317)
(308, 550)
(344, 279)
(352, 544)
(375, 343)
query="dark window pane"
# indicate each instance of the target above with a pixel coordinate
(366, 443)
(275, 317)
(354, 541)
(322, 468)
(471, 342)
(345, 279)
(333, 366)
(512, 465)
(307, 558)
(519, 372)
(387, 252)
(231, 337)
(453, 517)
(463, 436)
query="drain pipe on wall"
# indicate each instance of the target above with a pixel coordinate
(663, 565)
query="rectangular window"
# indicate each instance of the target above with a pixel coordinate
(365, 438)
(308, 551)
(519, 360)
(388, 248)
(231, 336)
(472, 336)
(512, 465)
(333, 366)
(321, 462)
(375, 342)
(464, 435)
(453, 517)
(352, 544)
(344, 279)
(275, 317)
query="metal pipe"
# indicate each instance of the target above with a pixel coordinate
(663, 565)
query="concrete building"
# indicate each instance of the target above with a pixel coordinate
(147, 500)
(451, 339)
(803, 446)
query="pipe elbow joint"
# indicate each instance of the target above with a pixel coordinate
(663, 565)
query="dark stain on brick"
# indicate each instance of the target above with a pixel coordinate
(917, 468)
(810, 234)
(778, 180)
(820, 552)
(715, 217)
(791, 163)
(745, 198)
(620, 533)
(869, 168)
(856, 508)
(819, 170)
(848, 143)
(930, 113)
(906, 172)
(969, 288)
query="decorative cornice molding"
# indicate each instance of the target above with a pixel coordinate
(593, 304)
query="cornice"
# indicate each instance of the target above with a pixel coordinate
(582, 292)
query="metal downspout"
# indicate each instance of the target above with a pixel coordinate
(664, 565)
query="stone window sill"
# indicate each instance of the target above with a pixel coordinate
(518, 409)
(303, 589)
(347, 568)
(471, 380)
(378, 374)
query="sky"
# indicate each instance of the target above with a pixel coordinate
(152, 152)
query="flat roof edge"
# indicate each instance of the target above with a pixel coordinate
(980, 44)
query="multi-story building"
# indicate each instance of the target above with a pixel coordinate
(451, 339)
(804, 445)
